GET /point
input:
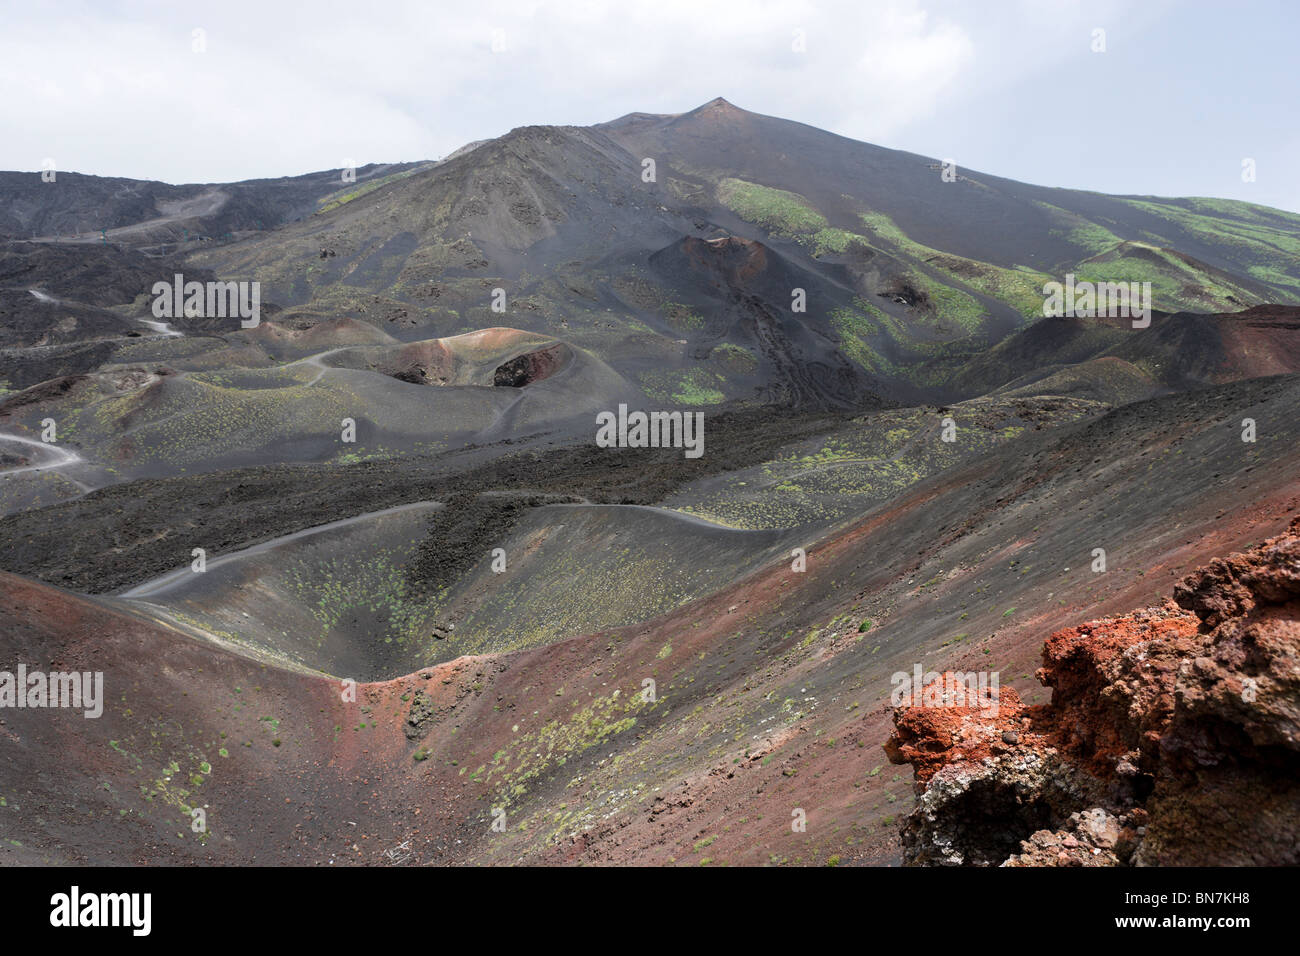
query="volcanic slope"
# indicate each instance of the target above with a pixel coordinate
(1109, 360)
(338, 599)
(370, 603)
(76, 208)
(763, 260)
(687, 272)
(560, 222)
(265, 397)
(772, 690)
(904, 200)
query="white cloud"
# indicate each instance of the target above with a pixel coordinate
(283, 90)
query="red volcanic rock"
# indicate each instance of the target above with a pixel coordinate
(532, 366)
(1113, 682)
(928, 737)
(1172, 737)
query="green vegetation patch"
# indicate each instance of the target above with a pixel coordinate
(695, 386)
(776, 210)
(334, 200)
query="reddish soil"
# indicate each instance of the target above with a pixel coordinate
(1264, 340)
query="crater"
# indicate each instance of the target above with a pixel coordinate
(524, 370)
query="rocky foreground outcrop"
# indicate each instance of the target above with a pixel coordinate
(1172, 737)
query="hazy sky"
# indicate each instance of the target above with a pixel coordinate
(1182, 94)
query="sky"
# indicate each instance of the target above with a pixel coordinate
(1169, 98)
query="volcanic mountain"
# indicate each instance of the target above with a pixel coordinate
(361, 584)
(904, 268)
